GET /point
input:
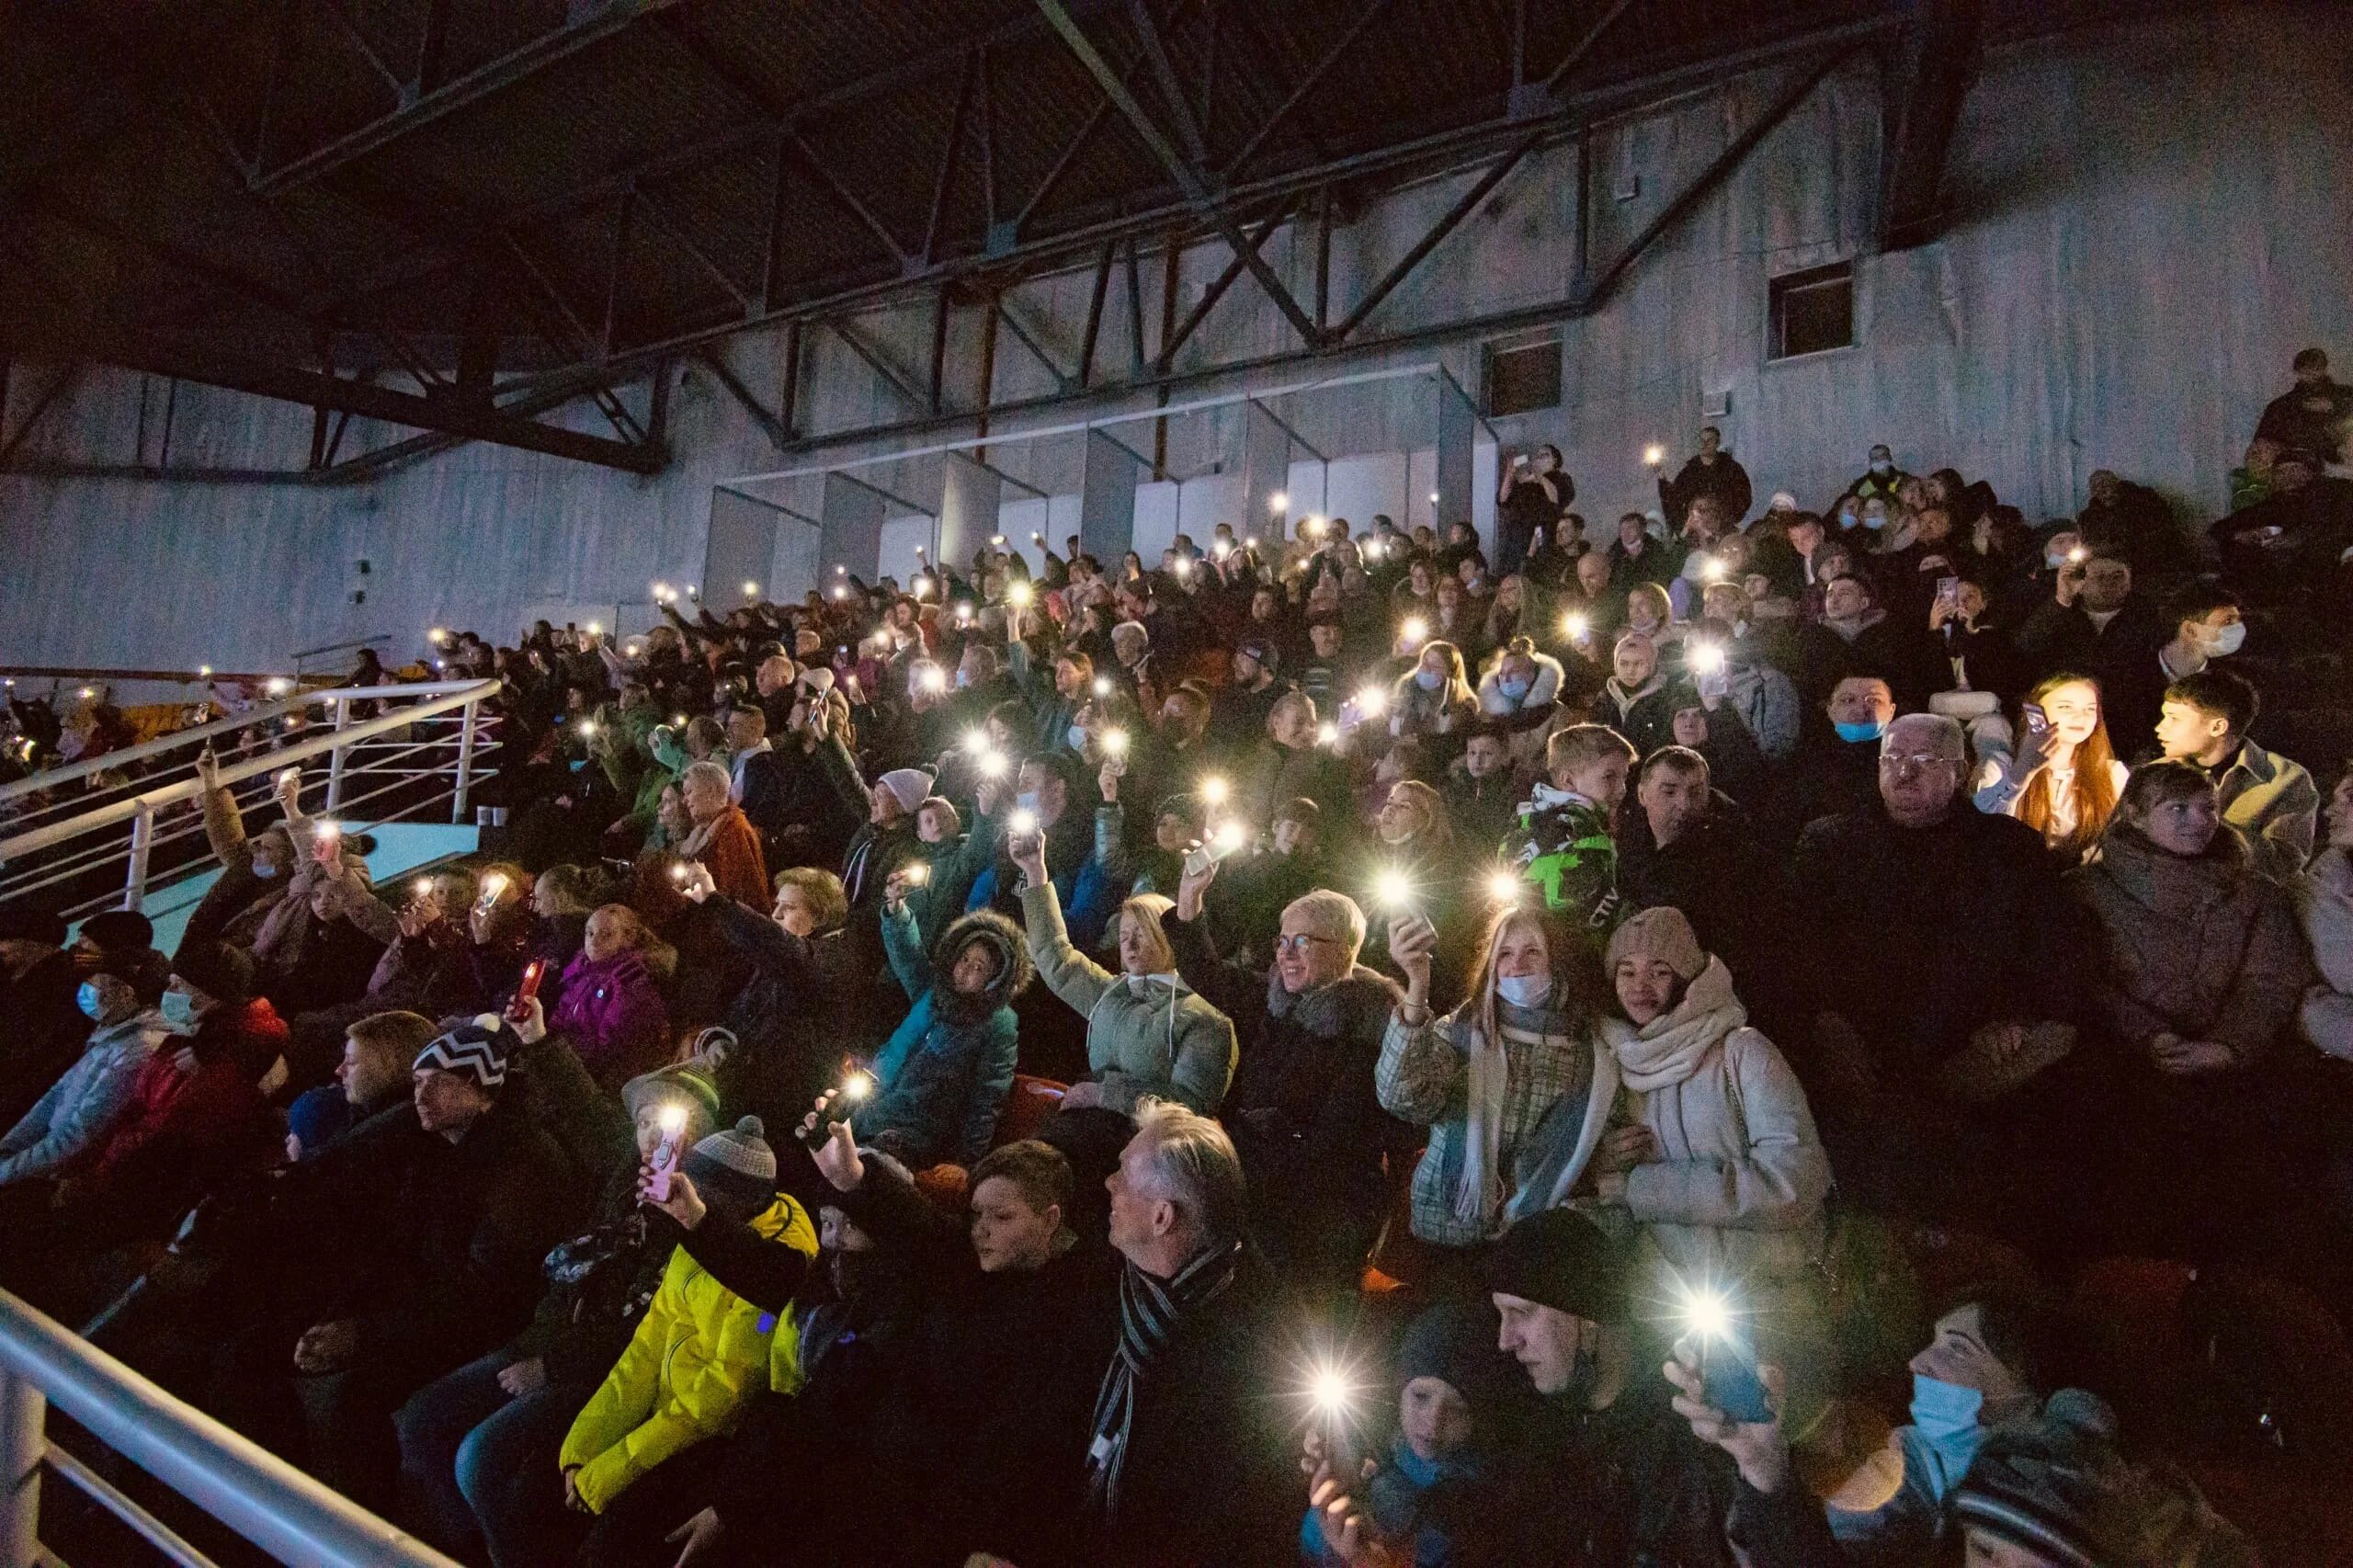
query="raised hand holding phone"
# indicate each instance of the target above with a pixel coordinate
(663, 1167)
(520, 1009)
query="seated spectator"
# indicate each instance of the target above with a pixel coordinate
(379, 1054)
(1718, 1172)
(1836, 767)
(1960, 1002)
(69, 1123)
(2133, 522)
(723, 839)
(1301, 1111)
(2270, 802)
(699, 1353)
(1516, 1085)
(1684, 848)
(1295, 859)
(321, 943)
(942, 1076)
(2324, 904)
(1435, 1493)
(1562, 842)
(1602, 1471)
(478, 1447)
(1148, 1033)
(2317, 414)
(2063, 780)
(2292, 542)
(612, 1011)
(1638, 699)
(2207, 625)
(1433, 696)
(2199, 972)
(1423, 863)
(436, 1261)
(40, 980)
(1182, 1470)
(1482, 791)
(1287, 763)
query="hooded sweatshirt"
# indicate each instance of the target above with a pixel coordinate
(1145, 1034)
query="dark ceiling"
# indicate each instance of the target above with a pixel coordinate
(454, 194)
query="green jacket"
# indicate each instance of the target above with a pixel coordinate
(1167, 1042)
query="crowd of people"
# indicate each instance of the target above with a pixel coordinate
(1336, 1050)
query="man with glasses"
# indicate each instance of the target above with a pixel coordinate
(1302, 1111)
(1936, 937)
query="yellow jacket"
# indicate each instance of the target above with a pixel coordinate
(698, 1355)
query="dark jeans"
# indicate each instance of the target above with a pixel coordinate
(478, 1466)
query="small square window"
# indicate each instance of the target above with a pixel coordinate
(1813, 311)
(1521, 379)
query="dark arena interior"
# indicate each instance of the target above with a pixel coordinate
(1176, 783)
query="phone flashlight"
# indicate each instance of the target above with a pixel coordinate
(1706, 659)
(917, 873)
(1414, 629)
(1018, 595)
(1114, 743)
(1395, 891)
(533, 972)
(1102, 685)
(1654, 454)
(1727, 1368)
(327, 831)
(1022, 822)
(1505, 887)
(1214, 790)
(1372, 700)
(991, 763)
(1327, 733)
(666, 1154)
(1574, 626)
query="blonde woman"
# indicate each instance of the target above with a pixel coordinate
(1434, 697)
(1515, 1085)
(1148, 1033)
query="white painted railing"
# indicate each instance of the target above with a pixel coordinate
(253, 1491)
(67, 828)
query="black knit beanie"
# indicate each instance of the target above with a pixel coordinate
(1561, 1259)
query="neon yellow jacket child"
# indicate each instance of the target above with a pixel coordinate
(700, 1352)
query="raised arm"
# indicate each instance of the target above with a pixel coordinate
(1070, 974)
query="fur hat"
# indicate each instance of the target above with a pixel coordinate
(1662, 933)
(1003, 937)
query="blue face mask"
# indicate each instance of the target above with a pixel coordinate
(178, 1009)
(1874, 520)
(1076, 735)
(1523, 990)
(1027, 800)
(1944, 1416)
(1515, 688)
(89, 1001)
(1870, 731)
(1429, 680)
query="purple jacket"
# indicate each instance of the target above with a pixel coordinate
(614, 1017)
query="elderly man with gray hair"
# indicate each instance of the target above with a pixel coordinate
(724, 838)
(1940, 951)
(1303, 1111)
(1183, 1466)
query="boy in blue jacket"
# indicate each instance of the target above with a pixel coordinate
(942, 1076)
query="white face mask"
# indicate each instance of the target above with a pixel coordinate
(1523, 990)
(2219, 641)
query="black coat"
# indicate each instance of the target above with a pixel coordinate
(1629, 1485)
(1724, 479)
(1313, 1137)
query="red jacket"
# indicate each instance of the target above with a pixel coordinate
(197, 1114)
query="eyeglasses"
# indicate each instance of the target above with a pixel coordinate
(1914, 761)
(1298, 944)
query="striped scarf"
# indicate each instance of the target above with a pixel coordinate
(1150, 1311)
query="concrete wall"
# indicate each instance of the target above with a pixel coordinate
(2149, 218)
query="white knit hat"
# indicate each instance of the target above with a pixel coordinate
(908, 786)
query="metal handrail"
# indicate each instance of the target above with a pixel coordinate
(277, 1508)
(452, 695)
(262, 713)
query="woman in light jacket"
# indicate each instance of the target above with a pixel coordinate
(1147, 1031)
(1719, 1172)
(1515, 1085)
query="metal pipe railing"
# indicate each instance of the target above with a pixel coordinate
(252, 1491)
(447, 697)
(261, 713)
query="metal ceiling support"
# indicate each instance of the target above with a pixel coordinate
(1095, 313)
(779, 432)
(525, 403)
(789, 400)
(1003, 308)
(1578, 302)
(985, 383)
(939, 347)
(615, 267)
(1188, 177)
(1215, 291)
(583, 339)
(1069, 154)
(898, 379)
(1324, 256)
(1452, 218)
(846, 196)
(1594, 290)
(66, 377)
(260, 378)
(1135, 310)
(590, 22)
(988, 139)
(1163, 75)
(1583, 46)
(1925, 75)
(1366, 16)
(949, 155)
(686, 242)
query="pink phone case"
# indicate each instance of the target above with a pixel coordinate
(666, 1160)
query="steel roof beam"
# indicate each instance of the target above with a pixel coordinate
(1929, 73)
(591, 22)
(262, 379)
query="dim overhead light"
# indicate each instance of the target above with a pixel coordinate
(1433, 498)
